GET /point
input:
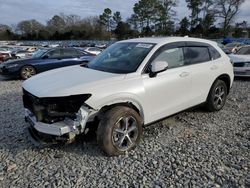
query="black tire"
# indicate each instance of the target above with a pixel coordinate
(27, 71)
(217, 96)
(114, 135)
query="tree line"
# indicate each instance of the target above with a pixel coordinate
(208, 18)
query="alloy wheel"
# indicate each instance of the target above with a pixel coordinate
(28, 72)
(219, 96)
(125, 133)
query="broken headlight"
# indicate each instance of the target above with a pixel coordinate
(53, 109)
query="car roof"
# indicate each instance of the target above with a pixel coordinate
(163, 40)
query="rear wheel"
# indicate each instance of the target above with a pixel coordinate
(119, 130)
(217, 96)
(27, 72)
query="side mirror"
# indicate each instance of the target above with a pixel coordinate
(157, 67)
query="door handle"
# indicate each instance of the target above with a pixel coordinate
(214, 67)
(184, 74)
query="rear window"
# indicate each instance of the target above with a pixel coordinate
(194, 55)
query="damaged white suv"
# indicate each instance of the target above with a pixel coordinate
(131, 84)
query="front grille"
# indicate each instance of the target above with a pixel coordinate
(53, 109)
(237, 73)
(239, 64)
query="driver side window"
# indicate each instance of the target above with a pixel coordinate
(174, 57)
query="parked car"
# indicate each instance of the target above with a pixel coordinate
(244, 51)
(4, 56)
(241, 62)
(44, 60)
(232, 47)
(93, 50)
(101, 46)
(31, 49)
(130, 84)
(5, 50)
(21, 54)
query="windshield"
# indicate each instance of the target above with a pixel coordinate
(121, 57)
(243, 51)
(39, 53)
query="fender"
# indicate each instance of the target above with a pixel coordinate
(116, 99)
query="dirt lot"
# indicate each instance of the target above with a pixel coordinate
(191, 149)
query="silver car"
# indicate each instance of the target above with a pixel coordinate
(241, 62)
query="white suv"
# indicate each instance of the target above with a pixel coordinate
(131, 84)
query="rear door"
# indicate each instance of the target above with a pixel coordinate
(203, 69)
(58, 58)
(70, 56)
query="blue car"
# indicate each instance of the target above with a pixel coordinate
(44, 60)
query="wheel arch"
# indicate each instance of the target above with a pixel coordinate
(226, 78)
(27, 65)
(127, 103)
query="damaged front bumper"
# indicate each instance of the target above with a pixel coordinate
(65, 130)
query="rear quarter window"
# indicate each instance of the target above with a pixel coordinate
(214, 53)
(196, 54)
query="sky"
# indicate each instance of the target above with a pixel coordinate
(13, 11)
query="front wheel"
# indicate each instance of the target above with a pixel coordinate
(27, 72)
(217, 96)
(119, 130)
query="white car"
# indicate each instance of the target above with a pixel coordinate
(241, 62)
(93, 50)
(31, 49)
(21, 54)
(131, 84)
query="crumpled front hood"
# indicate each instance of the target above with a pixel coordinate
(68, 81)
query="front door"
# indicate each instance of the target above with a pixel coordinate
(170, 91)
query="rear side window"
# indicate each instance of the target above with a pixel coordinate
(214, 53)
(196, 54)
(54, 53)
(69, 52)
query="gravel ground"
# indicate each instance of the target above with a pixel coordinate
(190, 149)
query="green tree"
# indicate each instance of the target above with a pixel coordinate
(116, 18)
(144, 11)
(164, 15)
(195, 7)
(29, 28)
(227, 10)
(6, 32)
(207, 23)
(56, 25)
(106, 18)
(133, 21)
(208, 18)
(184, 26)
(122, 30)
(240, 29)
